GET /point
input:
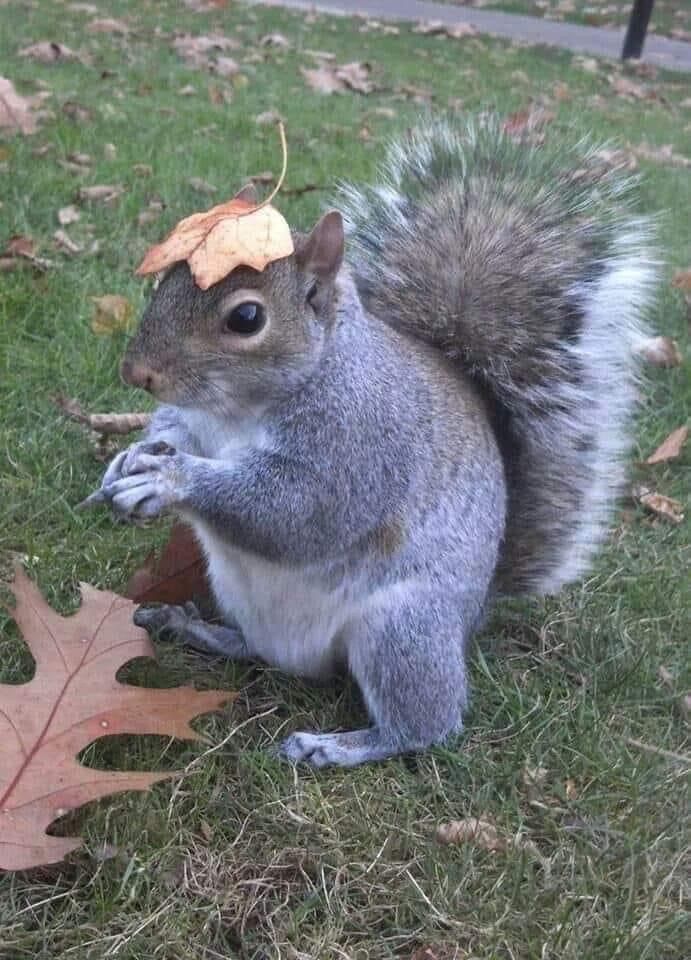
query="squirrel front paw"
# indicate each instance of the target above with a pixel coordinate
(152, 479)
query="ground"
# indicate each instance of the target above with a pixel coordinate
(247, 857)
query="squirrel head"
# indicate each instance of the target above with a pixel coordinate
(248, 340)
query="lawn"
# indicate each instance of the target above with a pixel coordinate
(247, 857)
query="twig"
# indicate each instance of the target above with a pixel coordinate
(658, 751)
(106, 424)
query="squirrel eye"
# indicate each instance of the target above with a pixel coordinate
(246, 319)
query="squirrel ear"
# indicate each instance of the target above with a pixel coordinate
(322, 252)
(248, 194)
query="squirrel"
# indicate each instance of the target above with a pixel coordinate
(422, 408)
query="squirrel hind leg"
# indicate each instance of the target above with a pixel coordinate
(184, 624)
(408, 662)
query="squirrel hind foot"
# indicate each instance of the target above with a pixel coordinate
(339, 749)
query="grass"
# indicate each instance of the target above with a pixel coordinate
(669, 18)
(247, 857)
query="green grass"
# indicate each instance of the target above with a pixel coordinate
(670, 18)
(247, 857)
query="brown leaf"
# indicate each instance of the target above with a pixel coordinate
(626, 87)
(570, 789)
(20, 251)
(274, 40)
(665, 153)
(152, 212)
(72, 700)
(454, 31)
(660, 351)
(179, 574)
(48, 51)
(671, 447)
(102, 192)
(226, 67)
(217, 241)
(526, 121)
(66, 243)
(108, 25)
(112, 313)
(68, 215)
(17, 113)
(197, 51)
(330, 78)
(481, 833)
(659, 505)
(682, 280)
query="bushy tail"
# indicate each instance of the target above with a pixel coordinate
(527, 267)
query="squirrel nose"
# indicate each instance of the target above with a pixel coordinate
(140, 375)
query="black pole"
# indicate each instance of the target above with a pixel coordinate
(636, 30)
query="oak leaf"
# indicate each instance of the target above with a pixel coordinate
(72, 700)
(659, 505)
(112, 313)
(214, 243)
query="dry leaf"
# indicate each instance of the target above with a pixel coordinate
(268, 118)
(178, 575)
(455, 31)
(660, 351)
(671, 447)
(274, 40)
(665, 153)
(226, 67)
(20, 251)
(570, 789)
(481, 833)
(197, 51)
(112, 313)
(589, 64)
(666, 678)
(523, 122)
(659, 505)
(682, 280)
(72, 700)
(227, 236)
(17, 113)
(330, 78)
(108, 25)
(201, 185)
(101, 192)
(322, 79)
(48, 51)
(626, 87)
(151, 213)
(104, 423)
(68, 215)
(65, 242)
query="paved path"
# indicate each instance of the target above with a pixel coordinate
(596, 41)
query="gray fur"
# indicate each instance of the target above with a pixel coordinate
(348, 482)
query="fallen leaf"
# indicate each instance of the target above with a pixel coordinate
(89, 8)
(589, 64)
(659, 505)
(570, 789)
(48, 51)
(660, 351)
(65, 242)
(628, 88)
(197, 51)
(454, 31)
(322, 79)
(522, 122)
(112, 313)
(201, 185)
(68, 215)
(330, 78)
(21, 251)
(101, 192)
(268, 118)
(152, 212)
(17, 113)
(229, 235)
(77, 112)
(682, 280)
(72, 700)
(226, 67)
(671, 447)
(274, 40)
(187, 91)
(108, 25)
(110, 151)
(666, 678)
(178, 575)
(665, 153)
(481, 833)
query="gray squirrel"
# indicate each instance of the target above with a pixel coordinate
(372, 443)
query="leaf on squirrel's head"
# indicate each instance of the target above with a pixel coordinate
(214, 243)
(239, 233)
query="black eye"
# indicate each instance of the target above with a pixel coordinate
(245, 319)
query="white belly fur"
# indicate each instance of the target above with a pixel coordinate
(286, 617)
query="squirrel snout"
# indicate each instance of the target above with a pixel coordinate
(140, 375)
